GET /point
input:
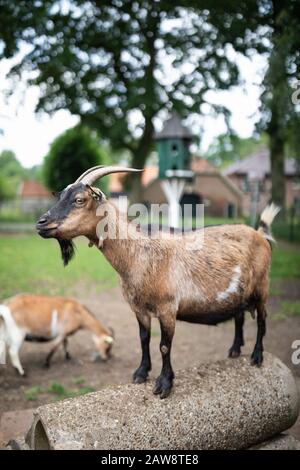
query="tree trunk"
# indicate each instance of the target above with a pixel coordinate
(277, 78)
(277, 170)
(136, 189)
(139, 159)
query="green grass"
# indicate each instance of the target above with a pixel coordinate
(290, 308)
(79, 380)
(58, 391)
(222, 220)
(32, 393)
(13, 215)
(276, 288)
(285, 262)
(282, 231)
(192, 222)
(31, 264)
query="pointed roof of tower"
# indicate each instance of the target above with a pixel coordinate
(173, 127)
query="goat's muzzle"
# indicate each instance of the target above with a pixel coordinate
(46, 228)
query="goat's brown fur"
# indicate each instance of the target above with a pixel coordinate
(165, 279)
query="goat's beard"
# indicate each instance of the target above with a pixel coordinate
(67, 248)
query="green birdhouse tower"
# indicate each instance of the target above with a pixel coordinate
(173, 146)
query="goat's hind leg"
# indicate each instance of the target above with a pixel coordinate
(57, 343)
(238, 341)
(257, 355)
(141, 374)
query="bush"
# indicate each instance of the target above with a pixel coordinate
(70, 155)
(11, 175)
(6, 191)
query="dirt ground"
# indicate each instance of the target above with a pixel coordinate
(193, 344)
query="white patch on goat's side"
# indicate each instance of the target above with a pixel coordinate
(233, 286)
(53, 327)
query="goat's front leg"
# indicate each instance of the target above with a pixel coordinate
(238, 341)
(15, 344)
(67, 354)
(15, 360)
(141, 374)
(164, 381)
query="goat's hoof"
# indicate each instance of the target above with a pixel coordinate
(257, 358)
(165, 393)
(68, 357)
(140, 376)
(163, 387)
(139, 379)
(233, 352)
(46, 365)
(22, 374)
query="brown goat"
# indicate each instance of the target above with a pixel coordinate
(163, 277)
(41, 319)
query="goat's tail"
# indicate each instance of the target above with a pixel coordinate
(3, 315)
(266, 219)
(4, 311)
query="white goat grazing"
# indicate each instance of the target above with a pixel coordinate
(40, 319)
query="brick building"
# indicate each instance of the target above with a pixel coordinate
(209, 187)
(257, 167)
(34, 197)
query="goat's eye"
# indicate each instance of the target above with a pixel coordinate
(79, 200)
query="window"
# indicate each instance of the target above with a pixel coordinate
(245, 186)
(230, 210)
(174, 149)
(296, 183)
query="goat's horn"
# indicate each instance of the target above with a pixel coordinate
(87, 172)
(93, 174)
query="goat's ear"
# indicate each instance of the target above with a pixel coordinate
(95, 192)
(109, 339)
